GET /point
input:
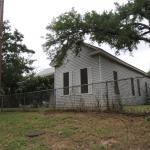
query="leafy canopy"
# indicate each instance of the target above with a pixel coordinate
(35, 83)
(123, 29)
(14, 64)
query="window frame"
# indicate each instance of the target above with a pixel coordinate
(132, 87)
(146, 88)
(66, 85)
(138, 87)
(84, 86)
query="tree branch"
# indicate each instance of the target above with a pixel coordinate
(145, 33)
(141, 24)
(144, 39)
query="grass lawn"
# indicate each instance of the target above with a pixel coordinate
(137, 109)
(73, 131)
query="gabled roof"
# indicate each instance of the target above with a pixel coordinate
(46, 72)
(113, 58)
(99, 51)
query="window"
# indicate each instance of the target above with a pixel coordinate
(116, 87)
(84, 80)
(146, 88)
(132, 87)
(66, 83)
(138, 86)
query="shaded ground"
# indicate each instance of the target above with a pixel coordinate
(74, 131)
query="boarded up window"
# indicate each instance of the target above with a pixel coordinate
(84, 80)
(66, 83)
(138, 86)
(116, 87)
(146, 88)
(132, 87)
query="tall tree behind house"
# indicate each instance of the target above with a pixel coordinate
(1, 29)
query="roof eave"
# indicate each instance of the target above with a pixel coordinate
(111, 57)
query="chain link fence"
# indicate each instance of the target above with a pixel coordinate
(28, 101)
(104, 95)
(95, 96)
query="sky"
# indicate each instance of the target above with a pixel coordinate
(31, 17)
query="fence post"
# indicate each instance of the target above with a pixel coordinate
(55, 92)
(120, 107)
(24, 102)
(117, 99)
(2, 101)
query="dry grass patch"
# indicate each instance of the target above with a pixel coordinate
(72, 130)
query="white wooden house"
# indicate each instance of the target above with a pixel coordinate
(88, 80)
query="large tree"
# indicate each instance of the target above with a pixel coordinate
(123, 28)
(15, 63)
(35, 83)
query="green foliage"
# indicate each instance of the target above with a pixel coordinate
(122, 29)
(14, 64)
(66, 31)
(32, 83)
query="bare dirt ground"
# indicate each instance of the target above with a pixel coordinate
(100, 131)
